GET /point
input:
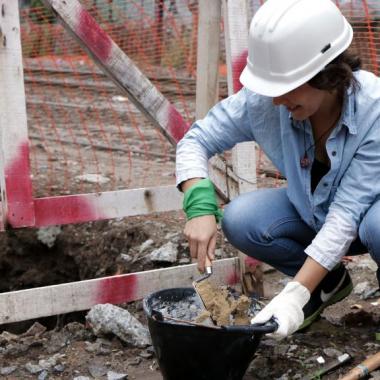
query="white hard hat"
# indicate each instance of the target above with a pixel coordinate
(290, 41)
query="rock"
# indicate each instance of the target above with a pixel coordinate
(50, 362)
(167, 253)
(375, 375)
(48, 235)
(366, 262)
(97, 348)
(260, 367)
(281, 349)
(145, 245)
(15, 349)
(135, 361)
(81, 378)
(126, 258)
(111, 375)
(283, 377)
(92, 347)
(43, 375)
(76, 331)
(6, 337)
(219, 253)
(361, 288)
(292, 347)
(332, 352)
(35, 330)
(97, 370)
(33, 368)
(107, 318)
(59, 368)
(146, 354)
(173, 236)
(184, 261)
(4, 371)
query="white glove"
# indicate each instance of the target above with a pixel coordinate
(286, 308)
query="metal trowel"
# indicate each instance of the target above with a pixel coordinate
(208, 272)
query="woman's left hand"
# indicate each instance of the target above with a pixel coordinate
(286, 309)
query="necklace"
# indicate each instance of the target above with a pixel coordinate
(305, 161)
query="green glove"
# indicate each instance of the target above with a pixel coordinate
(200, 200)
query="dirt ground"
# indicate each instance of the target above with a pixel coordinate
(94, 250)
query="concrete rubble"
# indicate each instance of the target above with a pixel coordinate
(105, 319)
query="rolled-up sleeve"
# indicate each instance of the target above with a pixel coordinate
(225, 125)
(358, 190)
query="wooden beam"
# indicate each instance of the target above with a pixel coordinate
(243, 155)
(106, 205)
(119, 68)
(15, 180)
(133, 83)
(208, 56)
(59, 299)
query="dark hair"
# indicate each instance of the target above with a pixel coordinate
(338, 74)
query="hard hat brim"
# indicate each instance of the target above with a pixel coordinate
(269, 88)
(262, 87)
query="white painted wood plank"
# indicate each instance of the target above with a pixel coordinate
(243, 155)
(119, 68)
(208, 55)
(106, 205)
(236, 36)
(15, 181)
(59, 299)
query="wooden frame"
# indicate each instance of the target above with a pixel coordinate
(82, 295)
(16, 187)
(19, 208)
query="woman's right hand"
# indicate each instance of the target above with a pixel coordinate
(201, 235)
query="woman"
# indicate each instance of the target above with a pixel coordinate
(316, 115)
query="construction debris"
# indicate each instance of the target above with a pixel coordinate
(107, 318)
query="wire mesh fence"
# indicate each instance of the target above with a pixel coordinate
(87, 137)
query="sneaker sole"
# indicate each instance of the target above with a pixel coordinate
(334, 299)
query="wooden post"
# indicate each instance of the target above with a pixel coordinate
(159, 29)
(207, 91)
(243, 155)
(16, 187)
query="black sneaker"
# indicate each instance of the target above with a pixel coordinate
(334, 287)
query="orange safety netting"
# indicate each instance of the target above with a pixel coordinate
(85, 135)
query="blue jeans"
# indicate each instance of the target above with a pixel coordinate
(264, 224)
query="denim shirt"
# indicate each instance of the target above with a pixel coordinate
(343, 195)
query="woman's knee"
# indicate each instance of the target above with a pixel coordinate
(249, 216)
(369, 231)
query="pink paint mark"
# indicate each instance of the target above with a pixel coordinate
(237, 67)
(233, 278)
(251, 262)
(19, 189)
(95, 38)
(177, 126)
(117, 289)
(65, 210)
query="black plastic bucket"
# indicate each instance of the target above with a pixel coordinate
(193, 352)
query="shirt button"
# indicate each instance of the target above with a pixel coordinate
(333, 153)
(325, 184)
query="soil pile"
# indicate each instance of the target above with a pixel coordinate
(224, 308)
